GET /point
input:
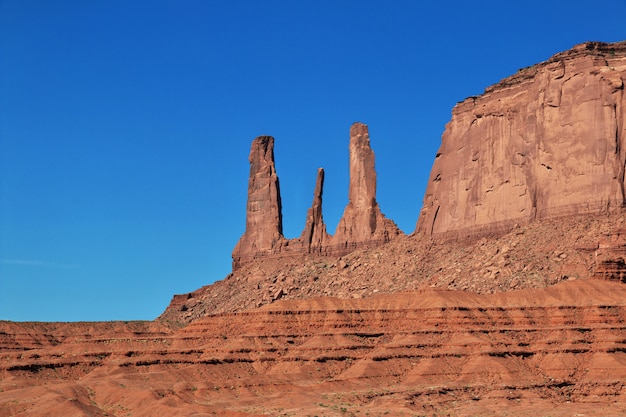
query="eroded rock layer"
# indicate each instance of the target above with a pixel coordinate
(264, 224)
(557, 351)
(362, 223)
(547, 141)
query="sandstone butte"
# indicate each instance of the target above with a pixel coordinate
(362, 224)
(507, 300)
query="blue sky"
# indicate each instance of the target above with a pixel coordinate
(125, 126)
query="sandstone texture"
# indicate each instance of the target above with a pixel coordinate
(314, 237)
(610, 257)
(548, 141)
(536, 255)
(362, 224)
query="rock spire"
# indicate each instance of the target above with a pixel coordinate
(264, 224)
(362, 224)
(314, 237)
(548, 141)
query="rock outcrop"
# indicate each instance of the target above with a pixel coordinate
(314, 237)
(390, 343)
(548, 141)
(536, 255)
(264, 223)
(362, 225)
(556, 351)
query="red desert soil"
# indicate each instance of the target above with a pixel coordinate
(557, 351)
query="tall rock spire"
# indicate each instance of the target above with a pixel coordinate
(264, 224)
(362, 223)
(362, 189)
(548, 141)
(314, 236)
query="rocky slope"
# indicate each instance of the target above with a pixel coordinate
(264, 221)
(556, 351)
(548, 141)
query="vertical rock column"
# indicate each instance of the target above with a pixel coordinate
(362, 223)
(314, 236)
(264, 225)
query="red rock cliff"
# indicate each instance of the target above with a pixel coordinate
(547, 141)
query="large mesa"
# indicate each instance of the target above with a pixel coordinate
(548, 141)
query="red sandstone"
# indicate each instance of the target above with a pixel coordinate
(521, 313)
(548, 141)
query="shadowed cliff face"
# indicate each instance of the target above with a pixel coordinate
(547, 141)
(362, 224)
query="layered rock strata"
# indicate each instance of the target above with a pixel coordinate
(557, 351)
(362, 224)
(610, 257)
(548, 141)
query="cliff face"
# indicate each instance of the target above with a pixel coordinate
(545, 142)
(362, 224)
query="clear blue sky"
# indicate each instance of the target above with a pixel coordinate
(125, 126)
